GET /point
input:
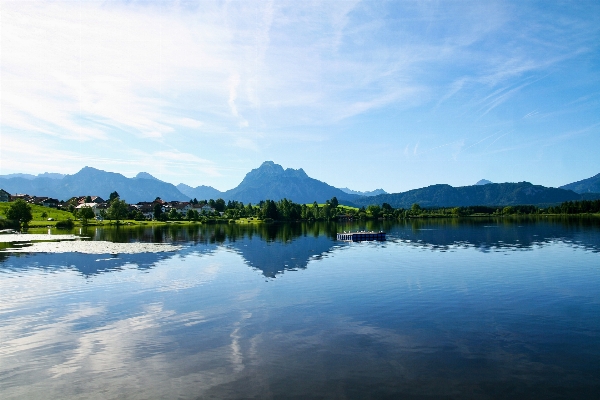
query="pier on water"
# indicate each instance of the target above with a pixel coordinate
(360, 236)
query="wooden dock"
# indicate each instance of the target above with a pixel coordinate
(361, 236)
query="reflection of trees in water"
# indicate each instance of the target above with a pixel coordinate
(274, 248)
(269, 247)
(499, 233)
(215, 233)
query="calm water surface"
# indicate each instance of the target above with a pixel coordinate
(476, 309)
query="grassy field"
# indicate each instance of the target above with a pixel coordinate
(37, 212)
(339, 206)
(39, 222)
(248, 221)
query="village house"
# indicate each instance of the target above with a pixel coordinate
(21, 196)
(146, 208)
(94, 206)
(50, 202)
(95, 199)
(203, 208)
(4, 196)
(38, 200)
(181, 206)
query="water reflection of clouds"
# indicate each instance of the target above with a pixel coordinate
(50, 348)
(159, 334)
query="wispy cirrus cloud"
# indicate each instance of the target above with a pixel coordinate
(216, 79)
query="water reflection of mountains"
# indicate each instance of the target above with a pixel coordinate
(276, 248)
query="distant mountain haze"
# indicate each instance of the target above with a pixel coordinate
(200, 192)
(371, 193)
(50, 175)
(35, 186)
(483, 182)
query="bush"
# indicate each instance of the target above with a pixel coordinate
(68, 224)
(9, 224)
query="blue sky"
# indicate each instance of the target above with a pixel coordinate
(393, 95)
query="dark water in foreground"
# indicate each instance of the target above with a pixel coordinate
(477, 309)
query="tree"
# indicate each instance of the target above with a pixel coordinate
(88, 199)
(113, 195)
(326, 212)
(192, 215)
(508, 210)
(270, 209)
(174, 215)
(334, 202)
(219, 205)
(374, 210)
(249, 210)
(118, 209)
(157, 211)
(19, 211)
(86, 213)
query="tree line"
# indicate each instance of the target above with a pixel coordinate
(287, 210)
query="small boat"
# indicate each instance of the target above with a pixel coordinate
(361, 236)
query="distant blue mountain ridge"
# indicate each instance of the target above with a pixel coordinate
(272, 181)
(589, 185)
(491, 194)
(371, 193)
(50, 175)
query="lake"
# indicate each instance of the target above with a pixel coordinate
(476, 308)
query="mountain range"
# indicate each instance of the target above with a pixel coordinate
(272, 181)
(269, 181)
(95, 182)
(490, 194)
(589, 185)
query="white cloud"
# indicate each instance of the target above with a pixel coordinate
(197, 78)
(78, 69)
